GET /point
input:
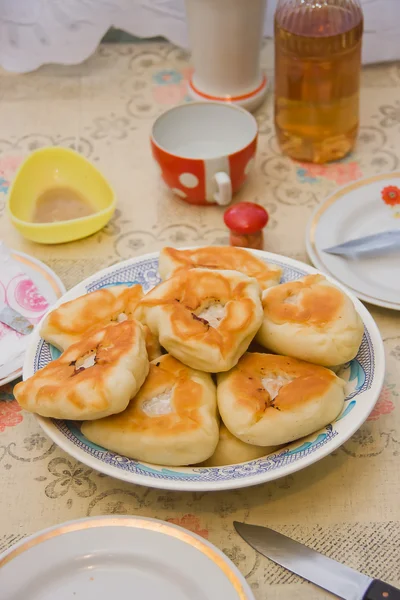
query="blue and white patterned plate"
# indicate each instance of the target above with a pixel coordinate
(364, 376)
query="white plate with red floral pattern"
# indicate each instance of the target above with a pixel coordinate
(361, 208)
(30, 287)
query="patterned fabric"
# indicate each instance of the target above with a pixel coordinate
(346, 505)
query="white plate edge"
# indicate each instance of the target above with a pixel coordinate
(233, 568)
(317, 262)
(18, 372)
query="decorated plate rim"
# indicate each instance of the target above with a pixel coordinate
(133, 523)
(53, 280)
(313, 224)
(237, 476)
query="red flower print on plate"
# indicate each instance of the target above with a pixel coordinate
(391, 195)
(10, 414)
(28, 297)
(192, 523)
(384, 406)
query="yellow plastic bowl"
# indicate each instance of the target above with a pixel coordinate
(59, 167)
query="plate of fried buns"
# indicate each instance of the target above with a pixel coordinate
(203, 368)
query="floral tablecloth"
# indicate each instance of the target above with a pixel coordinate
(348, 504)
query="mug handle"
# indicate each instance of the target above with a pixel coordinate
(224, 184)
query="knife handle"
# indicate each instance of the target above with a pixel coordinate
(378, 590)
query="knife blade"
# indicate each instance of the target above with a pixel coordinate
(315, 567)
(13, 319)
(377, 243)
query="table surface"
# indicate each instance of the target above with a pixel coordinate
(347, 505)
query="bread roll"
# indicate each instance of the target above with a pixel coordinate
(269, 400)
(171, 421)
(232, 451)
(311, 319)
(93, 378)
(229, 258)
(78, 318)
(204, 318)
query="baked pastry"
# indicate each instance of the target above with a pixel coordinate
(78, 318)
(269, 400)
(311, 319)
(93, 378)
(171, 421)
(152, 344)
(229, 258)
(231, 451)
(204, 318)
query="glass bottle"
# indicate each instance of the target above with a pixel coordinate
(317, 77)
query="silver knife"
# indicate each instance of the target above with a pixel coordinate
(377, 243)
(315, 567)
(13, 319)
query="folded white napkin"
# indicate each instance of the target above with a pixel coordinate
(18, 291)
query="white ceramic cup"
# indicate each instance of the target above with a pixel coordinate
(225, 38)
(205, 150)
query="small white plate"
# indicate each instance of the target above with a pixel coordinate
(354, 211)
(49, 285)
(119, 557)
(364, 376)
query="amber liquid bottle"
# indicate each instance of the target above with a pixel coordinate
(317, 77)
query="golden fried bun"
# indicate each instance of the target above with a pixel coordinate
(171, 421)
(78, 318)
(152, 344)
(93, 378)
(311, 319)
(269, 400)
(228, 258)
(204, 318)
(232, 451)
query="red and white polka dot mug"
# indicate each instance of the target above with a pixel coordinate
(205, 150)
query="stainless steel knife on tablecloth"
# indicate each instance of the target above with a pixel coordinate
(315, 567)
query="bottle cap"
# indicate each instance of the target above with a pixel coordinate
(246, 217)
